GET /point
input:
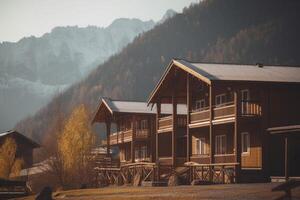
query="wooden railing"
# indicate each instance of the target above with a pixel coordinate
(166, 122)
(199, 115)
(142, 133)
(113, 138)
(250, 108)
(224, 158)
(127, 135)
(223, 110)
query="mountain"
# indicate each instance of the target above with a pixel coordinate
(211, 31)
(33, 69)
(168, 15)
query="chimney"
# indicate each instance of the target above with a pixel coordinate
(260, 65)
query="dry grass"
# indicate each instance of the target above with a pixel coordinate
(233, 191)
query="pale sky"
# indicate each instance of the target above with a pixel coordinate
(23, 18)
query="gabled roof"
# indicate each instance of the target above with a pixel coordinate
(240, 72)
(16, 134)
(209, 72)
(135, 107)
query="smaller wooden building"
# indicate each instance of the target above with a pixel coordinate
(25, 146)
(131, 127)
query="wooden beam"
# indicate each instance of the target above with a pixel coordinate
(286, 158)
(188, 138)
(133, 126)
(237, 138)
(108, 124)
(211, 135)
(174, 130)
(158, 112)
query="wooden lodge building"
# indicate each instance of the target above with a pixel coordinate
(224, 123)
(131, 128)
(242, 123)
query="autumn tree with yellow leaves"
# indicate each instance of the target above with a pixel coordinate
(74, 146)
(10, 166)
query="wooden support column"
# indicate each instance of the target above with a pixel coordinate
(188, 137)
(265, 136)
(286, 158)
(133, 127)
(174, 130)
(211, 135)
(237, 134)
(108, 124)
(158, 112)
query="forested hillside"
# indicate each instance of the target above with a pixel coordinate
(239, 31)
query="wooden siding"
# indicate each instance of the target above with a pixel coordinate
(253, 159)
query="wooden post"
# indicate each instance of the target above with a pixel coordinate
(188, 142)
(265, 95)
(286, 158)
(237, 139)
(174, 130)
(158, 113)
(158, 110)
(133, 127)
(211, 134)
(107, 123)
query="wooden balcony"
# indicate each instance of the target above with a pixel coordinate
(250, 108)
(224, 110)
(224, 158)
(200, 115)
(165, 123)
(142, 134)
(127, 135)
(113, 139)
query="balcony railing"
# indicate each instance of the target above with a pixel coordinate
(223, 110)
(199, 115)
(250, 108)
(127, 135)
(113, 138)
(142, 133)
(167, 122)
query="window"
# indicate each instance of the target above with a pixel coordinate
(143, 124)
(245, 95)
(245, 143)
(144, 152)
(220, 147)
(136, 153)
(220, 99)
(200, 105)
(200, 146)
(245, 98)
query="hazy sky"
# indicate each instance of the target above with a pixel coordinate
(19, 18)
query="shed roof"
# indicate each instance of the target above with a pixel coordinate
(16, 134)
(136, 107)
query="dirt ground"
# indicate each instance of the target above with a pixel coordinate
(230, 191)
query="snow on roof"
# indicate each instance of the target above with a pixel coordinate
(242, 72)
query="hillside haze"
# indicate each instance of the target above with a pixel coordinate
(33, 69)
(212, 31)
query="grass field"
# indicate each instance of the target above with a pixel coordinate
(231, 191)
